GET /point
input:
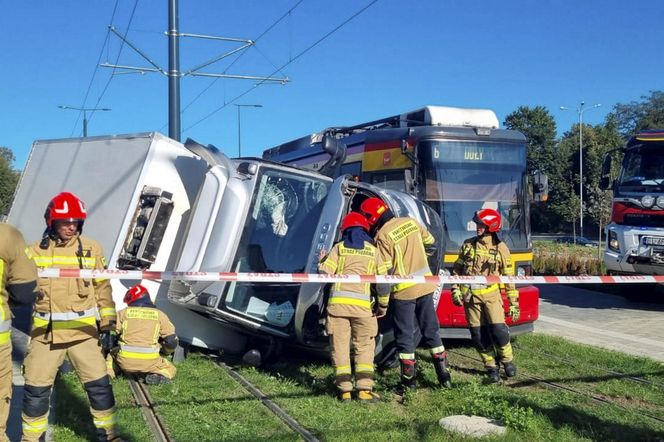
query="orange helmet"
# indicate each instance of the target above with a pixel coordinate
(490, 218)
(354, 219)
(373, 209)
(135, 293)
(65, 206)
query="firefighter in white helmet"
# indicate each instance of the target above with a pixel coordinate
(18, 276)
(349, 312)
(145, 335)
(73, 317)
(483, 255)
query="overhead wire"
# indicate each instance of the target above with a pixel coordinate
(293, 59)
(268, 29)
(117, 59)
(94, 73)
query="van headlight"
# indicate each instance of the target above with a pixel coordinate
(613, 241)
(660, 201)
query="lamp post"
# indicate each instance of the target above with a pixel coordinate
(239, 142)
(580, 110)
(85, 114)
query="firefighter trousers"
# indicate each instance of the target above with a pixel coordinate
(361, 333)
(158, 365)
(40, 368)
(488, 331)
(6, 377)
(409, 315)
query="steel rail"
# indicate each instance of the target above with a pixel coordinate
(144, 401)
(270, 405)
(558, 386)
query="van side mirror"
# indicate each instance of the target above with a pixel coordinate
(409, 183)
(605, 180)
(540, 187)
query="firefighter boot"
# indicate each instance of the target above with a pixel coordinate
(367, 397)
(345, 396)
(494, 375)
(442, 369)
(408, 373)
(156, 379)
(510, 369)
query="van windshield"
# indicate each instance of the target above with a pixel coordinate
(277, 238)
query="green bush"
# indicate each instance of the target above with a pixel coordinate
(565, 260)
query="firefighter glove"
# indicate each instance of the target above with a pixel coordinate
(514, 312)
(108, 340)
(457, 297)
(381, 311)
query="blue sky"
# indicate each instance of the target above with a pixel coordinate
(394, 57)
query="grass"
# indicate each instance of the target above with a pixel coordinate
(73, 420)
(204, 403)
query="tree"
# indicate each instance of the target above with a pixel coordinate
(639, 115)
(8, 179)
(539, 127)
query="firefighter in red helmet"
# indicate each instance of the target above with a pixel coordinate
(349, 312)
(72, 318)
(402, 247)
(483, 255)
(146, 335)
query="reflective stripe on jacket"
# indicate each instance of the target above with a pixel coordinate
(15, 268)
(350, 299)
(485, 256)
(69, 308)
(401, 249)
(139, 330)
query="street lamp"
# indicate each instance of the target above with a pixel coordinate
(239, 143)
(85, 114)
(580, 110)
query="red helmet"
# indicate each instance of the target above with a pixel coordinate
(135, 293)
(490, 218)
(65, 206)
(354, 219)
(373, 208)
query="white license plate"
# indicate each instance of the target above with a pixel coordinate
(653, 241)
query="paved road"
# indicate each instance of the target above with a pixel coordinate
(603, 320)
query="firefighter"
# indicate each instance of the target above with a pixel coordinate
(349, 312)
(145, 334)
(73, 317)
(485, 254)
(402, 248)
(18, 276)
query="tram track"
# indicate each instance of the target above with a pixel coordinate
(144, 401)
(619, 374)
(160, 432)
(561, 387)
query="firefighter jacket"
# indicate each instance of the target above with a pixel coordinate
(16, 270)
(351, 299)
(401, 246)
(141, 329)
(68, 309)
(484, 256)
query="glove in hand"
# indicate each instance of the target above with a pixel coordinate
(457, 298)
(514, 312)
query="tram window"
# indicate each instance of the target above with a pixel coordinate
(389, 180)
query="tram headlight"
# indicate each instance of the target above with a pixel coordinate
(525, 270)
(613, 241)
(660, 201)
(647, 201)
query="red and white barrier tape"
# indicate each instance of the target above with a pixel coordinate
(316, 278)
